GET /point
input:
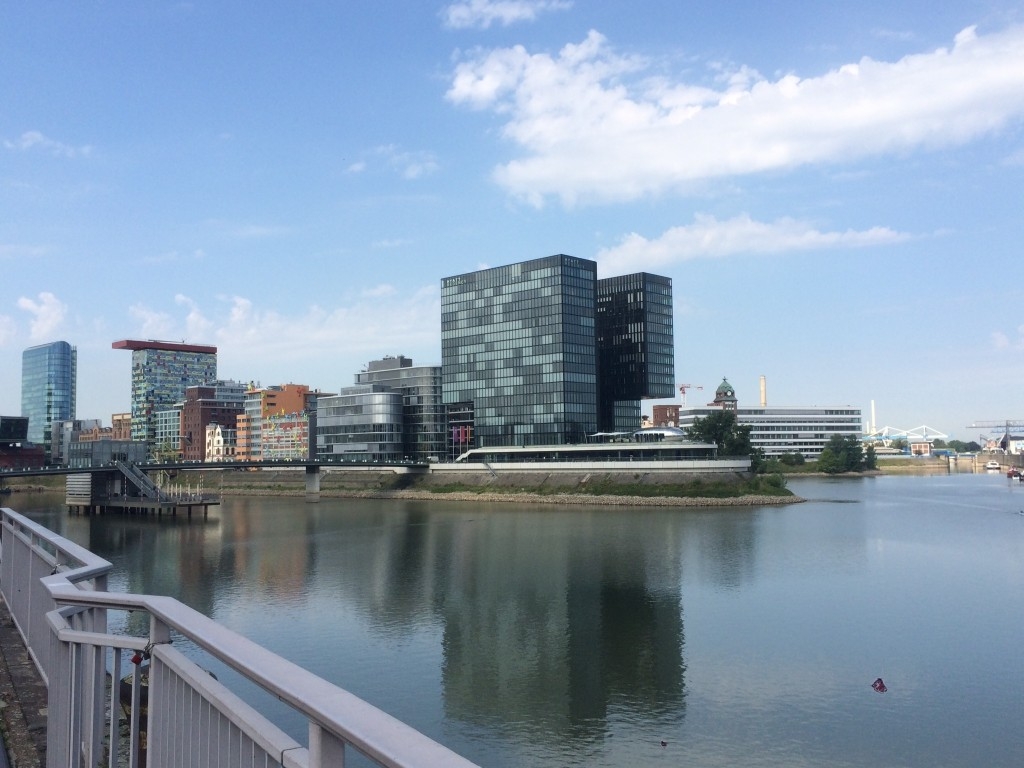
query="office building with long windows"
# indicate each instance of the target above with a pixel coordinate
(360, 423)
(423, 413)
(543, 353)
(161, 372)
(49, 384)
(774, 430)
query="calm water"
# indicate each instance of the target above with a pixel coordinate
(547, 636)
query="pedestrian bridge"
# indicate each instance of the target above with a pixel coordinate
(177, 713)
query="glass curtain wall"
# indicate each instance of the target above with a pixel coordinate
(518, 342)
(49, 382)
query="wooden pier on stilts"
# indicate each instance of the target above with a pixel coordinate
(127, 489)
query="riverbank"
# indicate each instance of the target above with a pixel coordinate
(614, 489)
(526, 497)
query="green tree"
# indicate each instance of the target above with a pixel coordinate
(792, 458)
(961, 447)
(722, 429)
(828, 462)
(870, 459)
(842, 454)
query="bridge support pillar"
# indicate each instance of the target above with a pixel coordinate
(312, 484)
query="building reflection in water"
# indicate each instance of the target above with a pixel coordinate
(557, 636)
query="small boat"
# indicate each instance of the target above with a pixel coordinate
(992, 465)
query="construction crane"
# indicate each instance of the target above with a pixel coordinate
(1002, 428)
(683, 389)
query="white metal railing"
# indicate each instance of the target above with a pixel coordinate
(184, 717)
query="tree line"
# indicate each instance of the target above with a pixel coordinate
(840, 454)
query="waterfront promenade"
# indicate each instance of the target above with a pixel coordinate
(23, 697)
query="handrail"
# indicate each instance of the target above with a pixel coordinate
(73, 618)
(372, 731)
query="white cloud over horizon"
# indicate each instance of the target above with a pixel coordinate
(710, 237)
(596, 126)
(481, 14)
(47, 313)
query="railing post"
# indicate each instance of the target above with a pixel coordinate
(325, 749)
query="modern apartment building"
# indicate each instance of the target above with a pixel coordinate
(161, 372)
(217, 403)
(166, 445)
(285, 436)
(287, 404)
(49, 382)
(543, 353)
(360, 423)
(424, 429)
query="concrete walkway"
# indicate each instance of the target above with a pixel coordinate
(22, 700)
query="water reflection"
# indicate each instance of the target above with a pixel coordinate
(536, 636)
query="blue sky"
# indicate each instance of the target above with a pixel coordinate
(836, 190)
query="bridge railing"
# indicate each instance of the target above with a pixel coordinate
(177, 714)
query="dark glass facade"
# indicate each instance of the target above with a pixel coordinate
(518, 343)
(49, 376)
(635, 347)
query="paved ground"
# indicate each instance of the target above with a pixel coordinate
(22, 700)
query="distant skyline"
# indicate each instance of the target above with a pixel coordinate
(834, 190)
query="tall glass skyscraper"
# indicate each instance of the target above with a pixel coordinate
(518, 351)
(49, 384)
(544, 353)
(635, 349)
(161, 372)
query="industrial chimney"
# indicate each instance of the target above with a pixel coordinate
(764, 393)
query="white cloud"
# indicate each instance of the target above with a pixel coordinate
(1001, 340)
(481, 14)
(410, 165)
(595, 126)
(196, 325)
(709, 237)
(34, 140)
(47, 315)
(263, 343)
(152, 324)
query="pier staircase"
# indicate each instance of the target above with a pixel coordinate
(147, 489)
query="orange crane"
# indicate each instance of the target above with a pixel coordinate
(683, 389)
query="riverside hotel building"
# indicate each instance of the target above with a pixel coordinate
(543, 353)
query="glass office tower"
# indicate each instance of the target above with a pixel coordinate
(49, 382)
(635, 349)
(518, 352)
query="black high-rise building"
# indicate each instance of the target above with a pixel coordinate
(521, 345)
(635, 350)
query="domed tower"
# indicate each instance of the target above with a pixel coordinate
(725, 396)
